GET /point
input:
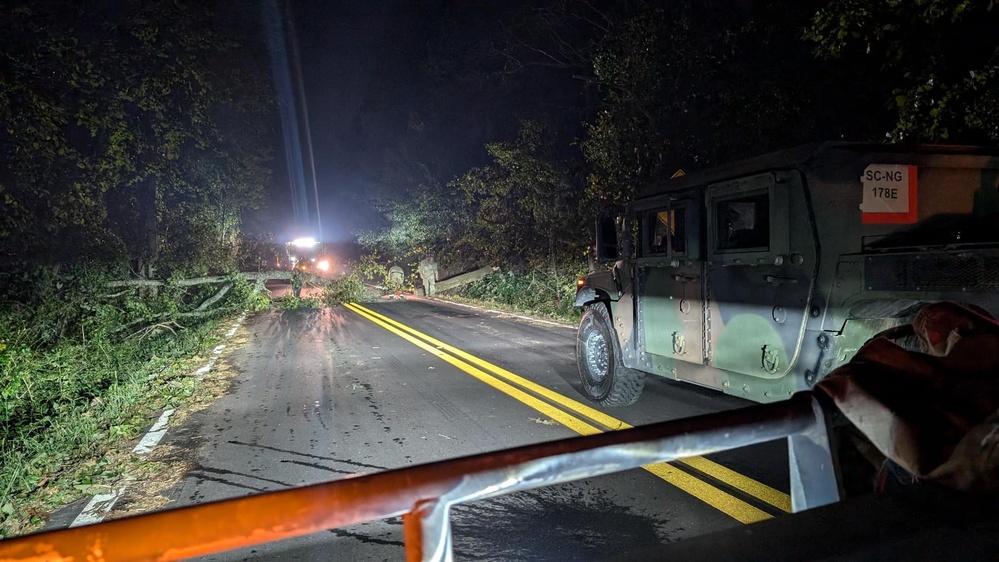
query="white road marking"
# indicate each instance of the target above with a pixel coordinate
(155, 433)
(98, 508)
(232, 331)
(511, 315)
(200, 373)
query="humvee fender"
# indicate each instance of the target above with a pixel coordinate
(760, 277)
(598, 287)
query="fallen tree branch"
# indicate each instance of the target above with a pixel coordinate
(155, 329)
(214, 299)
(249, 276)
(201, 314)
(175, 316)
(156, 283)
(140, 321)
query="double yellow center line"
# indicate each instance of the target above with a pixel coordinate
(501, 379)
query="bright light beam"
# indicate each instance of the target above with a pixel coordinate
(287, 109)
(297, 59)
(304, 242)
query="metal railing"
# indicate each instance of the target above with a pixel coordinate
(424, 494)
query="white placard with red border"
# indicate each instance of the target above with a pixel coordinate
(890, 194)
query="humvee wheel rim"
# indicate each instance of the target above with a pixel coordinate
(596, 356)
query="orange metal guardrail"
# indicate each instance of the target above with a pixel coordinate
(423, 494)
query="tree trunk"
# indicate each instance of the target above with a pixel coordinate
(150, 230)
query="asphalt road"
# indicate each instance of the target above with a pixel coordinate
(327, 393)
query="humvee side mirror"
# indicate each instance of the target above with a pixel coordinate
(607, 239)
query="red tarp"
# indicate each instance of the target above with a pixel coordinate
(934, 412)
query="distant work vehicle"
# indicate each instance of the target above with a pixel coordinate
(309, 256)
(759, 278)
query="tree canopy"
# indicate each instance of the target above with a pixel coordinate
(132, 131)
(140, 132)
(689, 84)
(939, 58)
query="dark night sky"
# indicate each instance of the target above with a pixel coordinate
(358, 59)
(364, 70)
(336, 41)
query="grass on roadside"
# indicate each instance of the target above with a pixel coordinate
(548, 294)
(62, 455)
(82, 370)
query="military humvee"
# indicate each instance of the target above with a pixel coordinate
(759, 278)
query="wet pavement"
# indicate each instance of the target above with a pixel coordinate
(325, 393)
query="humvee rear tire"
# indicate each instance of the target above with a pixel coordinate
(605, 379)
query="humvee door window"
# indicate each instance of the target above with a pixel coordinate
(663, 226)
(658, 228)
(743, 223)
(679, 233)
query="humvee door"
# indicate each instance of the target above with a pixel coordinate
(758, 288)
(671, 316)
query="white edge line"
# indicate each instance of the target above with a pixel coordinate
(204, 370)
(100, 505)
(98, 508)
(510, 315)
(155, 433)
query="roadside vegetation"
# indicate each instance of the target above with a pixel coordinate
(122, 177)
(82, 368)
(546, 293)
(346, 289)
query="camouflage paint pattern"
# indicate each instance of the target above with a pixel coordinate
(765, 322)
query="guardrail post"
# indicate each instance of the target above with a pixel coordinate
(426, 531)
(815, 478)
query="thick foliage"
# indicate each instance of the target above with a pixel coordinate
(426, 219)
(290, 302)
(129, 131)
(940, 59)
(344, 290)
(549, 292)
(681, 85)
(78, 364)
(526, 202)
(686, 85)
(369, 269)
(522, 210)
